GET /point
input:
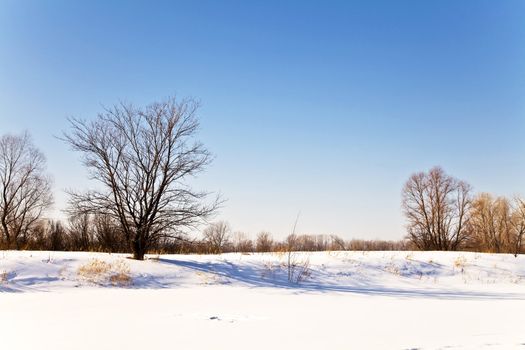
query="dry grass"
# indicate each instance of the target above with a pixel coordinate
(460, 262)
(102, 273)
(392, 268)
(120, 279)
(269, 270)
(212, 278)
(94, 268)
(4, 276)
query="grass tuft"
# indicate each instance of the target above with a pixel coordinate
(4, 276)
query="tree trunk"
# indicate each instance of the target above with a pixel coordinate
(139, 248)
(7, 235)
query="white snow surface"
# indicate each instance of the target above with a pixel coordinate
(344, 300)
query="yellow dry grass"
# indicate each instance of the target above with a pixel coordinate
(101, 272)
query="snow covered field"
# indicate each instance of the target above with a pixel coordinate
(343, 300)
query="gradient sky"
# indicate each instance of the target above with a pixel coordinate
(314, 106)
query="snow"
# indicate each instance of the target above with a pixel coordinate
(344, 300)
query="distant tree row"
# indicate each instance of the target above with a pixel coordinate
(443, 214)
(218, 238)
(101, 233)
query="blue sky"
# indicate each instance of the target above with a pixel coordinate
(320, 107)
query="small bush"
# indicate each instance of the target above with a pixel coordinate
(301, 271)
(298, 268)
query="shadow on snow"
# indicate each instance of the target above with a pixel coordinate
(250, 275)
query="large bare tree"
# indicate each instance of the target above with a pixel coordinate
(25, 187)
(436, 206)
(142, 158)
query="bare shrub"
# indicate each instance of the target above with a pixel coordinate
(217, 236)
(298, 268)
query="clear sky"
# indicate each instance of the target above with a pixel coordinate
(313, 106)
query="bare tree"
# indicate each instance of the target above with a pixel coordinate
(436, 206)
(491, 223)
(56, 236)
(217, 236)
(518, 224)
(142, 158)
(80, 232)
(264, 242)
(337, 243)
(25, 187)
(108, 233)
(241, 242)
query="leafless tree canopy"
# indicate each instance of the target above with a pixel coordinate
(142, 157)
(241, 242)
(25, 188)
(436, 206)
(490, 223)
(497, 224)
(264, 242)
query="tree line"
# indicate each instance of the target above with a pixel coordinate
(142, 158)
(99, 233)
